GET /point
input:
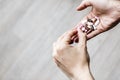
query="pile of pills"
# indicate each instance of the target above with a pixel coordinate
(88, 25)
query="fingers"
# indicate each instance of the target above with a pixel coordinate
(94, 33)
(82, 38)
(84, 4)
(67, 37)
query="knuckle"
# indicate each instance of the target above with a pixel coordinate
(58, 51)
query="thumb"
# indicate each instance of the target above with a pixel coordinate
(82, 38)
(84, 4)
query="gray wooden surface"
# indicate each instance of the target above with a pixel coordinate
(29, 27)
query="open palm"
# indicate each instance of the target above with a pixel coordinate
(108, 12)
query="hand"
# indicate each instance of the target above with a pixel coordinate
(72, 60)
(107, 10)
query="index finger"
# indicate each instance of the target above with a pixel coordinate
(67, 37)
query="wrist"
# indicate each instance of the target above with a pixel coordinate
(83, 74)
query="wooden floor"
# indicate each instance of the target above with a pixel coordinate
(29, 27)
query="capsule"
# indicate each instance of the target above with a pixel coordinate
(89, 25)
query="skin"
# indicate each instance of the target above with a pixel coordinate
(108, 12)
(72, 60)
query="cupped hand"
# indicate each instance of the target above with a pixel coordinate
(108, 12)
